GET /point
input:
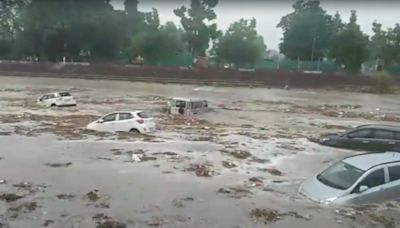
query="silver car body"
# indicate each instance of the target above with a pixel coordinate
(58, 99)
(124, 121)
(187, 106)
(379, 170)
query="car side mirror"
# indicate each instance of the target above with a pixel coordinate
(100, 121)
(362, 188)
(349, 136)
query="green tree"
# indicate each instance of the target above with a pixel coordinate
(157, 44)
(80, 30)
(196, 23)
(306, 31)
(9, 25)
(241, 45)
(385, 45)
(350, 46)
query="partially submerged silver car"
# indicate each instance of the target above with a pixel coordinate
(359, 179)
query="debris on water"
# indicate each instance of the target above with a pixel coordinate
(235, 192)
(290, 147)
(104, 158)
(228, 164)
(23, 185)
(165, 153)
(3, 181)
(10, 197)
(57, 165)
(22, 208)
(274, 171)
(104, 221)
(265, 215)
(240, 154)
(116, 151)
(384, 220)
(180, 202)
(141, 158)
(48, 222)
(135, 158)
(65, 196)
(259, 160)
(256, 180)
(201, 170)
(148, 158)
(93, 196)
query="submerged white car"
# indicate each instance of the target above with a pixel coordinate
(359, 179)
(57, 99)
(124, 121)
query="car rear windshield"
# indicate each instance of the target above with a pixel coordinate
(144, 115)
(65, 94)
(340, 176)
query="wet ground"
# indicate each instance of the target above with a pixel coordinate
(239, 165)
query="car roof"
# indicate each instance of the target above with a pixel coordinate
(134, 112)
(56, 92)
(370, 160)
(380, 126)
(187, 99)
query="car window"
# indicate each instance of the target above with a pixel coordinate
(365, 133)
(394, 173)
(180, 104)
(374, 179)
(125, 116)
(45, 97)
(383, 134)
(144, 115)
(51, 96)
(64, 94)
(110, 117)
(397, 136)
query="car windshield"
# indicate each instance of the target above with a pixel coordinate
(340, 176)
(180, 104)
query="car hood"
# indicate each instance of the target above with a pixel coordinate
(91, 125)
(317, 191)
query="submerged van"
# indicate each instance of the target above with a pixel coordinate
(187, 106)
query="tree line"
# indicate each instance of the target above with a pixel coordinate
(92, 30)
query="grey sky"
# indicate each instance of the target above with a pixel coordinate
(268, 13)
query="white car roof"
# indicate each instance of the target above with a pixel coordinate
(134, 112)
(187, 99)
(369, 160)
(56, 93)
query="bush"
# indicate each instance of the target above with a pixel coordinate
(383, 82)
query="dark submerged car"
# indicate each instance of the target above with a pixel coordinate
(376, 138)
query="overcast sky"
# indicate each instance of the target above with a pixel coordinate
(268, 13)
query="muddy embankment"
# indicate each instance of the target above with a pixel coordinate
(223, 77)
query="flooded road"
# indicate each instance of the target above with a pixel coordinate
(239, 165)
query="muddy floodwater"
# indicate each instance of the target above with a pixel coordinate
(238, 165)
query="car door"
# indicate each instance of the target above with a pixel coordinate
(124, 122)
(375, 181)
(43, 99)
(51, 100)
(359, 139)
(383, 140)
(396, 146)
(392, 189)
(109, 123)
